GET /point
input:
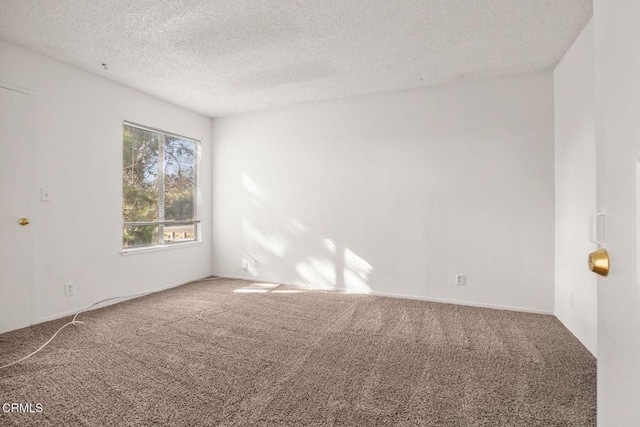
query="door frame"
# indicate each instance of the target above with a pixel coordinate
(33, 214)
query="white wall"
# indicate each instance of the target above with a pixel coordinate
(79, 158)
(617, 58)
(575, 177)
(396, 193)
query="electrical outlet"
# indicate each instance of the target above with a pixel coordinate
(256, 263)
(460, 280)
(70, 289)
(245, 265)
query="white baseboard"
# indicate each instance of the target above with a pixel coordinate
(116, 301)
(308, 286)
(403, 296)
(592, 349)
(466, 303)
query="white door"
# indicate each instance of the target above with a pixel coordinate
(617, 39)
(17, 242)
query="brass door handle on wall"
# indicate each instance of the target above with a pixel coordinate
(23, 221)
(599, 262)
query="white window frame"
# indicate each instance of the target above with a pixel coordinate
(161, 244)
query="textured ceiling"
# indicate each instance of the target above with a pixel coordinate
(227, 57)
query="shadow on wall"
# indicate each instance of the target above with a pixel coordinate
(291, 251)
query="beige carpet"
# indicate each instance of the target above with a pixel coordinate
(235, 353)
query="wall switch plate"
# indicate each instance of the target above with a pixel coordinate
(256, 263)
(70, 288)
(245, 265)
(45, 195)
(460, 280)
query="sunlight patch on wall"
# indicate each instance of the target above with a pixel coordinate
(268, 232)
(356, 273)
(252, 188)
(273, 243)
(263, 200)
(320, 274)
(351, 273)
(329, 245)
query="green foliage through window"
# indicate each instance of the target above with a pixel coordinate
(158, 188)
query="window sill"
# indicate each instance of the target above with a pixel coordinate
(158, 248)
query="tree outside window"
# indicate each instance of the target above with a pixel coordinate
(159, 188)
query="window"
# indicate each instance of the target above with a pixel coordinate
(159, 188)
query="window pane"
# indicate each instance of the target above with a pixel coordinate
(140, 175)
(141, 235)
(179, 179)
(179, 233)
(159, 187)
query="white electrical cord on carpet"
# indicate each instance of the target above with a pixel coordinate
(78, 322)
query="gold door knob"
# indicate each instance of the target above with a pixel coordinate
(599, 262)
(23, 221)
